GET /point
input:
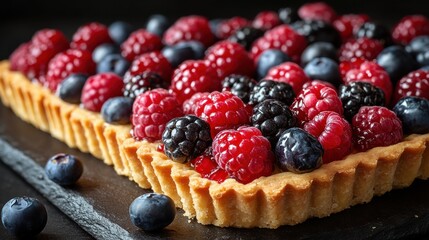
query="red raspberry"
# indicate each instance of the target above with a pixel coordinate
(367, 48)
(313, 100)
(229, 58)
(373, 73)
(317, 11)
(140, 42)
(227, 27)
(333, 132)
(190, 104)
(347, 65)
(151, 112)
(208, 168)
(89, 36)
(52, 38)
(17, 58)
(244, 153)
(153, 62)
(415, 83)
(410, 27)
(222, 110)
(318, 82)
(348, 24)
(375, 126)
(282, 37)
(99, 88)
(189, 28)
(266, 20)
(66, 63)
(192, 77)
(290, 73)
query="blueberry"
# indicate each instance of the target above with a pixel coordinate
(119, 31)
(324, 69)
(114, 63)
(103, 50)
(24, 216)
(425, 68)
(414, 114)
(423, 58)
(375, 31)
(70, 89)
(117, 110)
(214, 23)
(197, 47)
(64, 169)
(157, 24)
(288, 15)
(176, 54)
(298, 151)
(418, 44)
(397, 62)
(319, 49)
(268, 59)
(152, 211)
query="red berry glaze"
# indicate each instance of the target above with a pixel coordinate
(99, 88)
(290, 73)
(151, 112)
(89, 36)
(152, 62)
(190, 104)
(410, 27)
(333, 132)
(229, 58)
(192, 77)
(222, 110)
(367, 48)
(349, 24)
(243, 153)
(227, 27)
(282, 37)
(375, 126)
(317, 11)
(66, 63)
(415, 83)
(266, 20)
(208, 168)
(189, 28)
(314, 100)
(139, 42)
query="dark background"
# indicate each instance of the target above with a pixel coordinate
(19, 19)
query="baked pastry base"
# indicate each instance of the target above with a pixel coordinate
(268, 202)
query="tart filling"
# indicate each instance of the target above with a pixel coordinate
(284, 198)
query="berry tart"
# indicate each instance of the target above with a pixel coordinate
(242, 123)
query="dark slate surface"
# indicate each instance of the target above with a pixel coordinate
(100, 200)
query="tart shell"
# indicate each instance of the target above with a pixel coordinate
(268, 202)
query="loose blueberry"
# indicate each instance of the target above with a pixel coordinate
(152, 211)
(117, 110)
(70, 89)
(298, 151)
(157, 24)
(114, 63)
(64, 169)
(324, 69)
(319, 49)
(177, 54)
(268, 59)
(418, 44)
(397, 62)
(119, 31)
(197, 47)
(103, 50)
(24, 216)
(414, 114)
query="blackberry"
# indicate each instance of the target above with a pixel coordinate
(375, 31)
(239, 85)
(298, 151)
(288, 15)
(246, 36)
(317, 31)
(141, 83)
(270, 89)
(272, 117)
(185, 138)
(358, 94)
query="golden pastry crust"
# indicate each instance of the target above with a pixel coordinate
(268, 202)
